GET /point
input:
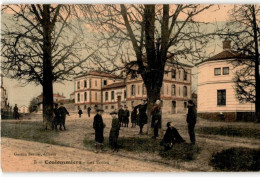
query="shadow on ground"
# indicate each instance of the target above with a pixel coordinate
(230, 131)
(237, 159)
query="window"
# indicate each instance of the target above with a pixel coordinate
(112, 95)
(85, 83)
(167, 89)
(225, 70)
(217, 71)
(106, 107)
(138, 90)
(85, 96)
(221, 97)
(173, 73)
(144, 90)
(185, 92)
(78, 97)
(179, 91)
(185, 104)
(133, 90)
(124, 94)
(112, 107)
(105, 82)
(78, 84)
(173, 90)
(96, 83)
(89, 83)
(185, 75)
(179, 74)
(96, 96)
(106, 96)
(85, 106)
(162, 90)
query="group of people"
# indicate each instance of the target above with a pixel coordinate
(80, 112)
(60, 114)
(139, 116)
(123, 116)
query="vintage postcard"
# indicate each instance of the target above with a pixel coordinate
(130, 88)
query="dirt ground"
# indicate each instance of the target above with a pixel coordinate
(80, 130)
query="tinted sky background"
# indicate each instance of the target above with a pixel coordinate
(22, 95)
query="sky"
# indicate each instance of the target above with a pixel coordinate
(22, 95)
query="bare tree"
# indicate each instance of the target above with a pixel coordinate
(244, 31)
(42, 44)
(144, 36)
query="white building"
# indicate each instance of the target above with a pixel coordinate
(216, 88)
(23, 109)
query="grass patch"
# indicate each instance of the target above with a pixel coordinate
(230, 131)
(184, 151)
(237, 159)
(29, 131)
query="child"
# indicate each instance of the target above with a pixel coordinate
(99, 126)
(114, 132)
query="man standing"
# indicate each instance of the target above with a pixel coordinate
(62, 112)
(114, 132)
(56, 120)
(142, 117)
(89, 109)
(99, 126)
(156, 118)
(16, 113)
(191, 120)
(121, 113)
(126, 116)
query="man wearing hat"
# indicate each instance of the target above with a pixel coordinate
(142, 115)
(62, 113)
(156, 118)
(121, 114)
(114, 132)
(99, 126)
(191, 120)
(126, 116)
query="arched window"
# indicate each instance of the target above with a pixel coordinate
(185, 92)
(85, 96)
(78, 97)
(173, 90)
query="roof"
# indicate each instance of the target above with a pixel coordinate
(115, 85)
(102, 74)
(226, 54)
(54, 95)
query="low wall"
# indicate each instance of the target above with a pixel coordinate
(228, 116)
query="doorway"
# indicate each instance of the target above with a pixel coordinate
(173, 107)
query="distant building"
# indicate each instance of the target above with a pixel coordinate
(216, 93)
(4, 96)
(57, 98)
(23, 109)
(110, 91)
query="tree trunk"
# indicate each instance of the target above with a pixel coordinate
(47, 70)
(257, 91)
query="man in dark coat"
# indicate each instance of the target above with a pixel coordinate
(62, 113)
(134, 117)
(16, 113)
(80, 111)
(89, 109)
(56, 120)
(171, 137)
(121, 114)
(114, 132)
(142, 116)
(126, 116)
(191, 120)
(156, 118)
(99, 126)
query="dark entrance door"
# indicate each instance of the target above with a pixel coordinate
(173, 107)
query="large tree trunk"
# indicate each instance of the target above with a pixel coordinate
(257, 90)
(47, 70)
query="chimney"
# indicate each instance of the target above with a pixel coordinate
(226, 44)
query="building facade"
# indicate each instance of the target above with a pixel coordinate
(112, 91)
(216, 88)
